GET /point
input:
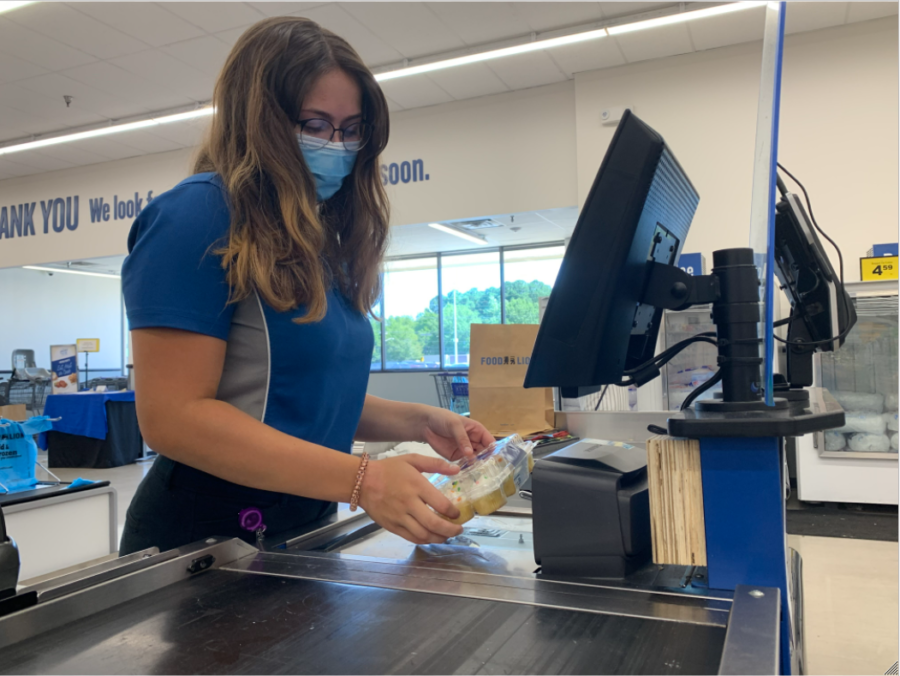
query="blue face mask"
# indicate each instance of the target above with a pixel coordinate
(330, 165)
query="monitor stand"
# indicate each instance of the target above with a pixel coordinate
(733, 290)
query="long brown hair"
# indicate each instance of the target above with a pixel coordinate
(280, 244)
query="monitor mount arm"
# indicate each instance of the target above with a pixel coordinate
(733, 290)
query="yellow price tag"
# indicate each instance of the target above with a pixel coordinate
(878, 268)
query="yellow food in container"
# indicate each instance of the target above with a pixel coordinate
(509, 485)
(490, 502)
(466, 511)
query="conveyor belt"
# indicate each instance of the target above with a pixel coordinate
(229, 622)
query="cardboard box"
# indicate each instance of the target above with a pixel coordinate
(499, 358)
(16, 412)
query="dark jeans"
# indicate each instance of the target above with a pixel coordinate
(176, 505)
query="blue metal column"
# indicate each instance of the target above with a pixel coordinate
(743, 506)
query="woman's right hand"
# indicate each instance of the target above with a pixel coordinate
(397, 497)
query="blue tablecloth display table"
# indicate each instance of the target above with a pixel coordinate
(94, 430)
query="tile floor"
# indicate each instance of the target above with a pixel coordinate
(850, 586)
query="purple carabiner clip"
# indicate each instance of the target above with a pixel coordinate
(251, 519)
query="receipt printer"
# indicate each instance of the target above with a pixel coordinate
(591, 510)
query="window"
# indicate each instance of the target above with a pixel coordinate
(470, 291)
(376, 329)
(411, 317)
(470, 284)
(528, 274)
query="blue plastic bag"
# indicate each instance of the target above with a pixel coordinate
(18, 452)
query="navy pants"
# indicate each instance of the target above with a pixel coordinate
(176, 505)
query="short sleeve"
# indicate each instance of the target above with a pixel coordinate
(172, 278)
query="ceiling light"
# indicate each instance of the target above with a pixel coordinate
(493, 54)
(8, 6)
(105, 131)
(681, 17)
(457, 233)
(70, 272)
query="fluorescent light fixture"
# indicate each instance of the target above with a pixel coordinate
(493, 54)
(463, 235)
(681, 17)
(9, 6)
(105, 131)
(70, 272)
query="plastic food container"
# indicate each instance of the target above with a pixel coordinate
(484, 483)
(451, 487)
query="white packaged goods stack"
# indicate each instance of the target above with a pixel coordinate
(862, 376)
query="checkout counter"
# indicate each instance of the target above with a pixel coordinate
(345, 596)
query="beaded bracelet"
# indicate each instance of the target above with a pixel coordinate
(354, 497)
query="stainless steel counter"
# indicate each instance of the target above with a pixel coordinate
(347, 597)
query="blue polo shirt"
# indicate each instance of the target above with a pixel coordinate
(306, 380)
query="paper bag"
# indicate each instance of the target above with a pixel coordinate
(498, 361)
(14, 412)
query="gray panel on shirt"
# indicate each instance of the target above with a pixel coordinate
(245, 377)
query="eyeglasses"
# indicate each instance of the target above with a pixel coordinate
(318, 133)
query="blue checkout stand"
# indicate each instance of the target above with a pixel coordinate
(91, 429)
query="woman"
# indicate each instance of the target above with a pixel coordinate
(248, 287)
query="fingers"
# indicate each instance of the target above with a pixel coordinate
(478, 434)
(438, 501)
(406, 535)
(432, 465)
(438, 529)
(461, 436)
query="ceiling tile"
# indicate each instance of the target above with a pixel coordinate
(72, 28)
(84, 97)
(545, 16)
(73, 154)
(373, 50)
(168, 72)
(188, 133)
(13, 69)
(643, 45)
(590, 55)
(810, 16)
(527, 70)
(147, 142)
(468, 82)
(728, 29)
(128, 86)
(480, 22)
(866, 11)
(9, 129)
(12, 168)
(145, 21)
(41, 162)
(415, 92)
(409, 27)
(215, 16)
(393, 106)
(44, 114)
(109, 147)
(206, 54)
(615, 10)
(39, 49)
(229, 37)
(284, 8)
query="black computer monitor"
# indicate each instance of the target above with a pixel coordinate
(821, 309)
(639, 209)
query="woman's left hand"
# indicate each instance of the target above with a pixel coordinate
(454, 436)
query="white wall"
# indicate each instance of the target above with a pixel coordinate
(838, 131)
(500, 154)
(506, 153)
(121, 180)
(40, 310)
